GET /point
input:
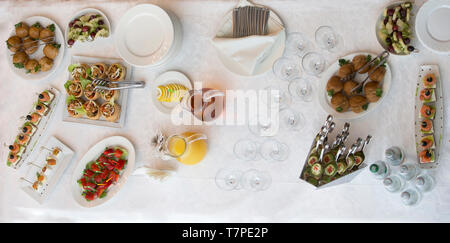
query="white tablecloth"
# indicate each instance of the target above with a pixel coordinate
(191, 194)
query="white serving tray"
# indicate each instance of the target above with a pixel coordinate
(438, 122)
(41, 128)
(122, 101)
(52, 175)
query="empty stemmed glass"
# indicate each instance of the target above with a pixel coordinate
(256, 180)
(277, 96)
(327, 38)
(301, 89)
(228, 179)
(291, 120)
(297, 44)
(246, 149)
(286, 68)
(313, 63)
(273, 150)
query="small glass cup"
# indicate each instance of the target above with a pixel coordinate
(286, 68)
(273, 150)
(291, 120)
(297, 44)
(228, 179)
(313, 63)
(280, 98)
(255, 180)
(301, 89)
(246, 149)
(327, 38)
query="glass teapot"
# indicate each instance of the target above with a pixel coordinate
(188, 148)
(205, 104)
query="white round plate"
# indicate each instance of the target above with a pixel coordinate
(39, 53)
(432, 26)
(411, 24)
(93, 154)
(169, 77)
(267, 63)
(87, 44)
(324, 99)
(144, 35)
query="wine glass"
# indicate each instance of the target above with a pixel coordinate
(263, 127)
(272, 150)
(291, 120)
(256, 180)
(297, 44)
(228, 179)
(313, 63)
(277, 96)
(246, 149)
(286, 68)
(327, 38)
(301, 89)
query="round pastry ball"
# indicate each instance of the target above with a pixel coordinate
(378, 74)
(358, 103)
(13, 43)
(46, 34)
(372, 91)
(30, 46)
(51, 50)
(45, 63)
(35, 31)
(32, 66)
(334, 85)
(345, 70)
(22, 30)
(19, 59)
(348, 86)
(339, 102)
(359, 61)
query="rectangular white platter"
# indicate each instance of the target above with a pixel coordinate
(122, 101)
(438, 121)
(41, 127)
(52, 175)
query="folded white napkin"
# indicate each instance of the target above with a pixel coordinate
(248, 52)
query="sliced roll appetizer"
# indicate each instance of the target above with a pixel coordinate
(110, 111)
(79, 71)
(74, 88)
(75, 107)
(92, 110)
(117, 72)
(110, 95)
(99, 70)
(89, 92)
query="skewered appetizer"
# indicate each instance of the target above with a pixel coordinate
(101, 174)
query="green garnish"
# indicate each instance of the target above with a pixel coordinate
(70, 98)
(84, 82)
(365, 106)
(72, 67)
(330, 92)
(18, 25)
(339, 109)
(379, 92)
(368, 58)
(343, 62)
(19, 65)
(7, 44)
(37, 68)
(37, 25)
(57, 45)
(51, 27)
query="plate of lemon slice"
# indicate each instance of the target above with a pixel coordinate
(168, 89)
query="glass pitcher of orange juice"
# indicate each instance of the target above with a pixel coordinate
(188, 148)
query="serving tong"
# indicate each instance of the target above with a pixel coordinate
(382, 59)
(103, 84)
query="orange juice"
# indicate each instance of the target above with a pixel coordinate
(188, 153)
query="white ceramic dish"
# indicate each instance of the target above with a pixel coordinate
(438, 121)
(39, 53)
(411, 24)
(324, 99)
(169, 77)
(144, 35)
(53, 174)
(432, 26)
(41, 128)
(93, 154)
(276, 52)
(122, 101)
(88, 44)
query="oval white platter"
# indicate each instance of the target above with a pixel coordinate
(432, 26)
(144, 35)
(39, 53)
(324, 99)
(87, 44)
(93, 154)
(438, 121)
(169, 77)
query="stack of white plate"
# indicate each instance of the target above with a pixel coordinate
(148, 36)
